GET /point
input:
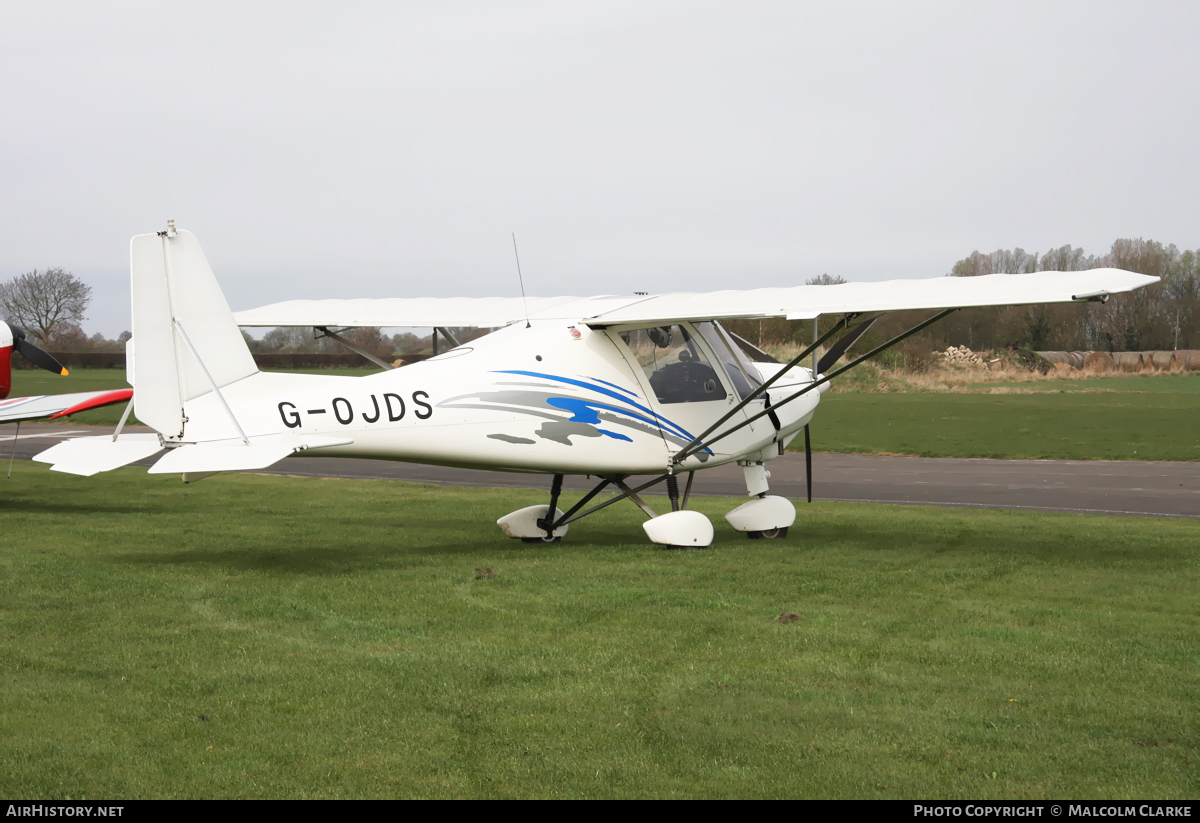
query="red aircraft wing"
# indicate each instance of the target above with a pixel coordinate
(58, 405)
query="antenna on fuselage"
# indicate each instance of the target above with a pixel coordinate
(521, 279)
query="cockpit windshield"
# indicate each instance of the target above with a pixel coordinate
(674, 365)
(737, 365)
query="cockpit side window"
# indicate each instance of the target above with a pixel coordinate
(674, 364)
(741, 372)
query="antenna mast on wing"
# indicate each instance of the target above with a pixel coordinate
(521, 279)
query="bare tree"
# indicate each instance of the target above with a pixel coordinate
(1068, 259)
(972, 265)
(1182, 294)
(1001, 261)
(43, 302)
(288, 339)
(1129, 320)
(825, 280)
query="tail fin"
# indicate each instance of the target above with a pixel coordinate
(188, 347)
(182, 328)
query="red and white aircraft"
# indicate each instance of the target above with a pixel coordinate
(610, 386)
(16, 409)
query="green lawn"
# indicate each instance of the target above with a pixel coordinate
(257, 636)
(1149, 418)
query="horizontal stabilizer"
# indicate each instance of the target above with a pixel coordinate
(236, 455)
(89, 455)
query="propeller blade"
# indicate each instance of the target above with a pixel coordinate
(808, 462)
(37, 357)
(839, 348)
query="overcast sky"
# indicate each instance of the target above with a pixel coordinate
(387, 150)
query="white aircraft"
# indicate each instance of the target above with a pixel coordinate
(611, 386)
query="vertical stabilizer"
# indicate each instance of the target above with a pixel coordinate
(176, 296)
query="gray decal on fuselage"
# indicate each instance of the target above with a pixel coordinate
(508, 438)
(532, 399)
(505, 409)
(551, 386)
(532, 403)
(561, 432)
(625, 422)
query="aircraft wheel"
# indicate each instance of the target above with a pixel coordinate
(542, 539)
(769, 534)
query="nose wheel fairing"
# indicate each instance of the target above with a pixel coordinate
(767, 517)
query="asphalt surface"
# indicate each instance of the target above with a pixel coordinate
(1089, 486)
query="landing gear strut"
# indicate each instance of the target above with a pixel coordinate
(680, 528)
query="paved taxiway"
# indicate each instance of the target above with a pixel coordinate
(1091, 486)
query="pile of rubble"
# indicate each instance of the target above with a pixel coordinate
(961, 354)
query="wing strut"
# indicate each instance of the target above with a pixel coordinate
(840, 347)
(325, 332)
(13, 456)
(626, 493)
(752, 351)
(211, 382)
(124, 417)
(696, 444)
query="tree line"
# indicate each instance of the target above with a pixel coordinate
(1165, 316)
(369, 338)
(50, 304)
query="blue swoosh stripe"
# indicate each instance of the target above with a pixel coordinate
(614, 385)
(659, 419)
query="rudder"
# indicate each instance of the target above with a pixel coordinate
(176, 301)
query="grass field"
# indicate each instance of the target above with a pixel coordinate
(1127, 418)
(1158, 422)
(256, 636)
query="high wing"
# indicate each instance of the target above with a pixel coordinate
(58, 405)
(794, 303)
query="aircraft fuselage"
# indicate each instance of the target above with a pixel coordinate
(556, 397)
